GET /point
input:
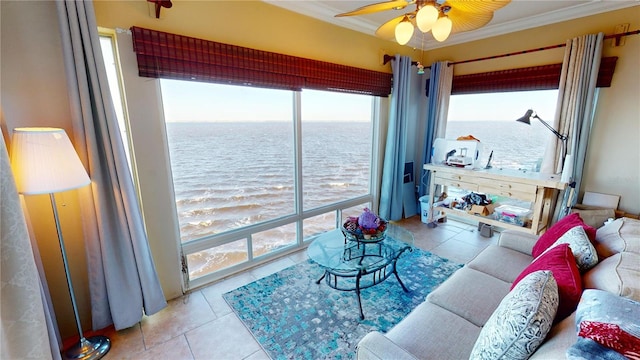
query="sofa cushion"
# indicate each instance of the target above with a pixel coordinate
(582, 249)
(376, 346)
(500, 262)
(561, 337)
(521, 322)
(562, 264)
(558, 229)
(518, 240)
(430, 329)
(617, 236)
(618, 274)
(459, 294)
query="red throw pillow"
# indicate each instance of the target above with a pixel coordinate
(561, 262)
(612, 337)
(558, 229)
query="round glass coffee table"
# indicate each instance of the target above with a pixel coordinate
(355, 265)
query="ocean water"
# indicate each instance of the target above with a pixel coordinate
(515, 145)
(228, 175)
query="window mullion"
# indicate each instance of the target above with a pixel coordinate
(297, 139)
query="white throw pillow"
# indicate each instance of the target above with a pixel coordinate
(521, 321)
(582, 249)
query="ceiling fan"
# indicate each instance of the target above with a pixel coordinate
(440, 17)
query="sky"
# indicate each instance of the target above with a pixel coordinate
(502, 106)
(196, 101)
(186, 101)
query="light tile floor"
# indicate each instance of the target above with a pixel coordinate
(200, 325)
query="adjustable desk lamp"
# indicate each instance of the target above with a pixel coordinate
(527, 120)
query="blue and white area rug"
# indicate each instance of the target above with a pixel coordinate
(292, 317)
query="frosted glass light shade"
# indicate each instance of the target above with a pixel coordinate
(426, 17)
(442, 28)
(44, 161)
(404, 32)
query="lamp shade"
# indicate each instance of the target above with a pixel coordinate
(404, 31)
(526, 118)
(44, 161)
(426, 17)
(442, 28)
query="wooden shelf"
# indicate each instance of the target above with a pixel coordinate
(538, 189)
(488, 220)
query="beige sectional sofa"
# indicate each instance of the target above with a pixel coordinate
(448, 323)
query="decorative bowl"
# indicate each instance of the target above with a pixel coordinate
(361, 237)
(368, 227)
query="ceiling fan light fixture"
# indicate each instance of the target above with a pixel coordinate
(426, 17)
(404, 31)
(442, 28)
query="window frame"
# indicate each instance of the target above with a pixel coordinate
(245, 233)
(111, 34)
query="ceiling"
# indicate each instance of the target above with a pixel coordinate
(517, 15)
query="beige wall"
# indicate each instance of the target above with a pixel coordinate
(33, 93)
(256, 25)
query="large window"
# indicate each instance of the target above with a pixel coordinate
(336, 144)
(491, 119)
(231, 155)
(253, 175)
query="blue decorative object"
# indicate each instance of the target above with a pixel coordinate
(292, 317)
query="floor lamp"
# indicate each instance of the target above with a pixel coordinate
(44, 162)
(527, 120)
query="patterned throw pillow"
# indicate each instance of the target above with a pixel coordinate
(521, 321)
(582, 249)
(557, 230)
(611, 336)
(603, 306)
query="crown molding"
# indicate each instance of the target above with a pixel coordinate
(324, 11)
(525, 23)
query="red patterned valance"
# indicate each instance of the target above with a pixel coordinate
(545, 77)
(170, 56)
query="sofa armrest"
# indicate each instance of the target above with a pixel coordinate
(376, 346)
(518, 241)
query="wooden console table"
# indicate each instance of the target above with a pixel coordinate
(536, 188)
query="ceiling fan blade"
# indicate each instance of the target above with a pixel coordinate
(477, 5)
(373, 8)
(387, 30)
(466, 21)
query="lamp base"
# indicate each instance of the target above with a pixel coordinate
(91, 348)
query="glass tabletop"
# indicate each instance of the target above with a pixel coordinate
(331, 251)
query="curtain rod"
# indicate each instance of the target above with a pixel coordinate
(388, 58)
